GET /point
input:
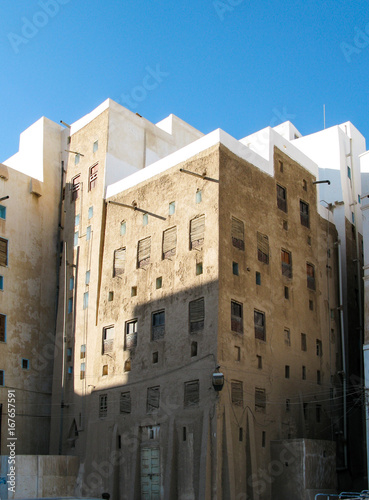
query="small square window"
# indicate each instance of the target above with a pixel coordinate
(1, 282)
(260, 361)
(198, 196)
(105, 370)
(2, 378)
(311, 305)
(133, 291)
(77, 157)
(303, 342)
(90, 212)
(85, 300)
(287, 337)
(70, 305)
(70, 370)
(235, 268)
(25, 364)
(76, 220)
(280, 165)
(2, 212)
(155, 357)
(110, 296)
(87, 278)
(287, 371)
(69, 354)
(123, 228)
(198, 268)
(88, 233)
(304, 185)
(95, 146)
(263, 439)
(75, 242)
(145, 219)
(286, 293)
(83, 351)
(237, 356)
(172, 207)
(258, 278)
(71, 283)
(303, 374)
(159, 282)
(193, 349)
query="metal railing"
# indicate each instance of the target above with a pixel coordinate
(344, 495)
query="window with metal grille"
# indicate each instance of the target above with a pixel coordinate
(2, 328)
(3, 252)
(76, 186)
(143, 252)
(191, 393)
(125, 402)
(131, 334)
(197, 315)
(169, 242)
(303, 342)
(263, 248)
(158, 325)
(82, 372)
(236, 317)
(260, 399)
(108, 339)
(286, 259)
(310, 274)
(119, 264)
(237, 392)
(238, 233)
(103, 405)
(153, 399)
(197, 231)
(259, 325)
(304, 214)
(93, 177)
(281, 198)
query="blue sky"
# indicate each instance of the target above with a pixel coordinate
(231, 64)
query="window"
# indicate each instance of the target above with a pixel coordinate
(92, 177)
(87, 277)
(318, 377)
(82, 354)
(304, 185)
(349, 172)
(119, 262)
(287, 337)
(310, 273)
(76, 220)
(71, 283)
(169, 242)
(172, 208)
(198, 196)
(318, 413)
(110, 296)
(235, 268)
(263, 439)
(286, 292)
(308, 240)
(125, 402)
(2, 212)
(158, 325)
(259, 325)
(76, 186)
(153, 399)
(288, 404)
(260, 399)
(1, 282)
(258, 278)
(2, 378)
(197, 230)
(311, 305)
(127, 365)
(286, 259)
(237, 354)
(196, 315)
(281, 198)
(159, 282)
(198, 268)
(303, 342)
(85, 300)
(240, 434)
(280, 162)
(2, 328)
(3, 252)
(77, 157)
(88, 233)
(103, 405)
(145, 219)
(263, 248)
(305, 410)
(238, 234)
(95, 146)
(82, 373)
(70, 371)
(25, 364)
(105, 370)
(237, 392)
(133, 291)
(123, 228)
(75, 239)
(155, 357)
(236, 317)
(285, 225)
(191, 393)
(304, 214)
(70, 305)
(260, 361)
(303, 374)
(131, 334)
(108, 339)
(193, 349)
(143, 252)
(319, 347)
(286, 371)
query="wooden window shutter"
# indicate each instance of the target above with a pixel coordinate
(3, 252)
(197, 230)
(119, 262)
(125, 402)
(260, 399)
(169, 242)
(2, 327)
(143, 252)
(153, 399)
(197, 315)
(263, 247)
(237, 392)
(238, 234)
(192, 393)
